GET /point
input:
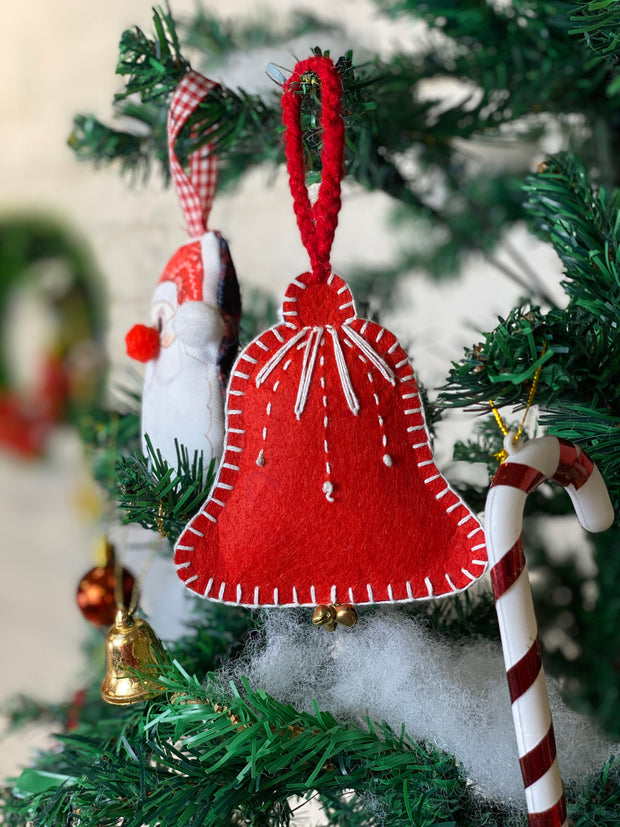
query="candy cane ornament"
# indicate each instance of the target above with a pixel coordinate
(527, 466)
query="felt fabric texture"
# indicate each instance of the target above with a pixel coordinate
(195, 311)
(327, 491)
(195, 315)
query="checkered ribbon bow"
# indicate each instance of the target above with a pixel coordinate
(195, 192)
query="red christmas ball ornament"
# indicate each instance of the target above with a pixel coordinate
(96, 597)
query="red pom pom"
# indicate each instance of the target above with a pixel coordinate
(142, 343)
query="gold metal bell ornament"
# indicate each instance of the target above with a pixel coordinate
(132, 647)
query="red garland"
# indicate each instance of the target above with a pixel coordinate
(317, 223)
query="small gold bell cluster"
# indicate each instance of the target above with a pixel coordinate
(330, 616)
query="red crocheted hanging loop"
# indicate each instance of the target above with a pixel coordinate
(317, 223)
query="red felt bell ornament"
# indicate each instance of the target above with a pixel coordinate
(327, 492)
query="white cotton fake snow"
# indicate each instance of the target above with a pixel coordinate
(393, 669)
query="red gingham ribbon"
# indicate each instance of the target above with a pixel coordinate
(195, 192)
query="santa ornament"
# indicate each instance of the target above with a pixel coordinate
(192, 343)
(327, 492)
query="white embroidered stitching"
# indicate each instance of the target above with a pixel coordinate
(310, 353)
(343, 372)
(277, 357)
(380, 363)
(208, 589)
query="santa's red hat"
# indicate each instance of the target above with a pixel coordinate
(186, 270)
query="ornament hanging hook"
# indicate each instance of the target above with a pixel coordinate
(317, 222)
(196, 191)
(511, 438)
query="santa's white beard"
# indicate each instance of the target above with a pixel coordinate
(182, 400)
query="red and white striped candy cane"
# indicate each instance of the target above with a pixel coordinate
(527, 466)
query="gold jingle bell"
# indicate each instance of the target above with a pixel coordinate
(131, 647)
(329, 617)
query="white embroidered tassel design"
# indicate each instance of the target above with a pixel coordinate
(377, 361)
(311, 349)
(278, 356)
(343, 372)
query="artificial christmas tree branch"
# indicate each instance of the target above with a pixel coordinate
(221, 754)
(500, 88)
(578, 348)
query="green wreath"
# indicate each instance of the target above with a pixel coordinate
(37, 253)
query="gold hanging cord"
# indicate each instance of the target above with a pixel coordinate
(503, 454)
